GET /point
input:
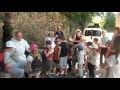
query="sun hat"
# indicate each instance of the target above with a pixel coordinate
(33, 46)
(78, 30)
(10, 44)
(80, 46)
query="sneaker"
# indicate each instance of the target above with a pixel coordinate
(60, 76)
(50, 76)
(55, 76)
(65, 75)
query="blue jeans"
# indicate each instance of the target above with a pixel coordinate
(17, 70)
(21, 64)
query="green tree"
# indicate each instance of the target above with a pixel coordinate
(83, 18)
(110, 21)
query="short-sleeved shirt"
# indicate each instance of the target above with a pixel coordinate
(92, 57)
(114, 71)
(64, 49)
(30, 58)
(21, 47)
(50, 56)
(104, 41)
(8, 60)
(52, 41)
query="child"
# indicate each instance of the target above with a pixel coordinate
(49, 60)
(63, 54)
(95, 41)
(34, 61)
(10, 65)
(56, 55)
(92, 57)
(80, 58)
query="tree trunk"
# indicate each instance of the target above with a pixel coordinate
(7, 28)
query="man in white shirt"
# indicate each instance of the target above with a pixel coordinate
(103, 46)
(51, 37)
(19, 52)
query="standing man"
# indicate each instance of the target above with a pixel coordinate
(103, 46)
(19, 52)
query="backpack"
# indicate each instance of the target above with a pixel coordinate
(2, 65)
(36, 65)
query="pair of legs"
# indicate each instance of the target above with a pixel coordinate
(69, 64)
(91, 69)
(74, 62)
(35, 74)
(57, 66)
(63, 63)
(17, 70)
(80, 70)
(102, 53)
(50, 66)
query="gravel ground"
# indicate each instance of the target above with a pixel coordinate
(99, 73)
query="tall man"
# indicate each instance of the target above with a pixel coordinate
(103, 46)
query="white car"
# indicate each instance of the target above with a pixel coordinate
(90, 33)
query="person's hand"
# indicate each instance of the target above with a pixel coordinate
(70, 57)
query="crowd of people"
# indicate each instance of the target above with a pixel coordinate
(62, 56)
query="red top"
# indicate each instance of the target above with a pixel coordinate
(50, 56)
(56, 52)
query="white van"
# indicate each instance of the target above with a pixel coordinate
(90, 33)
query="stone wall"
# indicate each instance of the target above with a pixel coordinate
(35, 25)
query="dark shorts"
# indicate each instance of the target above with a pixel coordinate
(56, 62)
(74, 62)
(50, 65)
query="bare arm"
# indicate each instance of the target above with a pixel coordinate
(46, 54)
(59, 51)
(74, 38)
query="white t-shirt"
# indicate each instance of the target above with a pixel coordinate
(21, 47)
(104, 41)
(30, 58)
(52, 41)
(8, 60)
(80, 57)
(114, 71)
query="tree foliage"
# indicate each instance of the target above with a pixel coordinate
(109, 21)
(82, 17)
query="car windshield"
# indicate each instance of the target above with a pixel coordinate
(92, 33)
